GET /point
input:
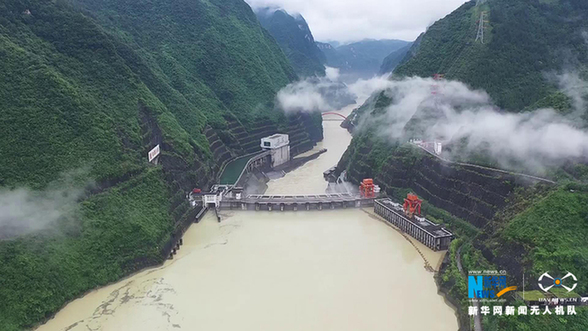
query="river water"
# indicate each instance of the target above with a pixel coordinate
(316, 270)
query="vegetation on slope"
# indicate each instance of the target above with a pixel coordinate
(524, 40)
(111, 235)
(543, 231)
(95, 85)
(296, 40)
(541, 228)
(391, 61)
(204, 50)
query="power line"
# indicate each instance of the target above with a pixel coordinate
(481, 25)
(465, 50)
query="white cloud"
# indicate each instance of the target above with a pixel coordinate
(364, 88)
(533, 139)
(302, 96)
(575, 88)
(23, 210)
(353, 20)
(327, 93)
(332, 73)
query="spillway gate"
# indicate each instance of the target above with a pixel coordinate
(296, 202)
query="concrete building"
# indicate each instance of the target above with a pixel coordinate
(434, 146)
(279, 147)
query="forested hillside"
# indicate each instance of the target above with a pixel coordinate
(87, 88)
(391, 61)
(524, 41)
(295, 38)
(501, 223)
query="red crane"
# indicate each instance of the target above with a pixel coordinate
(367, 188)
(412, 205)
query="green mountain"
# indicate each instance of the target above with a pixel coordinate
(361, 59)
(524, 41)
(391, 61)
(295, 38)
(87, 89)
(502, 221)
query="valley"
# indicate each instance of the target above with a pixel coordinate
(482, 114)
(260, 267)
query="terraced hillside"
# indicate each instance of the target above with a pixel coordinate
(501, 221)
(470, 193)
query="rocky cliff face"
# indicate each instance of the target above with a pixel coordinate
(296, 40)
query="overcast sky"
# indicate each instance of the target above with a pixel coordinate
(353, 20)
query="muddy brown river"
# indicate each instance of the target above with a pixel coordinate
(306, 270)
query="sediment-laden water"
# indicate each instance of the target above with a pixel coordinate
(316, 270)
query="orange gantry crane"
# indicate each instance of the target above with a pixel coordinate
(412, 205)
(367, 188)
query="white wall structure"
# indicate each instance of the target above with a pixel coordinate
(212, 198)
(154, 153)
(279, 146)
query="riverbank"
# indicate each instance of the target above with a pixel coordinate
(298, 271)
(329, 270)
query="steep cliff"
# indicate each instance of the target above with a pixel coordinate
(361, 59)
(88, 88)
(524, 41)
(296, 40)
(395, 58)
(502, 221)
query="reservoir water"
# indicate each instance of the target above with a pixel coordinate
(317, 270)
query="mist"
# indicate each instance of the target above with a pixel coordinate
(462, 118)
(575, 88)
(326, 93)
(457, 115)
(25, 211)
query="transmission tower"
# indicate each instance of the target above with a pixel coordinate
(482, 22)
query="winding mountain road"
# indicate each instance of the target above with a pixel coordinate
(487, 168)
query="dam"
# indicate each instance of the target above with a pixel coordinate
(297, 202)
(335, 269)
